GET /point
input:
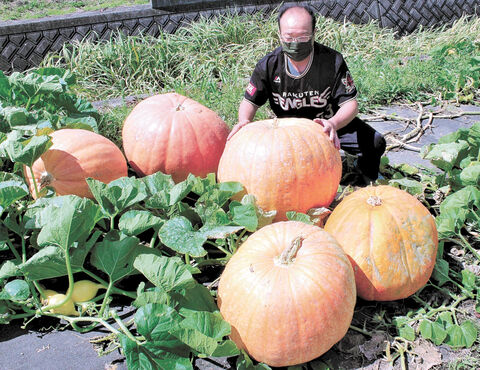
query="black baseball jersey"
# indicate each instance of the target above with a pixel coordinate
(318, 92)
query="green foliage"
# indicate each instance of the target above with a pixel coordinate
(452, 193)
(226, 48)
(150, 227)
(16, 9)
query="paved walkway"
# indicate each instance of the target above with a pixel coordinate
(435, 122)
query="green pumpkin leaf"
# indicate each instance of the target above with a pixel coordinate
(149, 356)
(118, 194)
(433, 331)
(68, 223)
(180, 191)
(136, 222)
(116, 253)
(15, 116)
(197, 297)
(470, 175)
(157, 183)
(179, 235)
(218, 232)
(24, 151)
(220, 193)
(151, 295)
(469, 280)
(264, 218)
(227, 348)
(12, 188)
(244, 215)
(167, 273)
(199, 342)
(16, 290)
(446, 156)
(154, 321)
(445, 319)
(462, 199)
(411, 186)
(245, 363)
(440, 272)
(463, 335)
(49, 262)
(298, 216)
(9, 269)
(209, 323)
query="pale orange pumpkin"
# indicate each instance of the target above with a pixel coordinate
(75, 155)
(391, 239)
(175, 135)
(289, 164)
(288, 293)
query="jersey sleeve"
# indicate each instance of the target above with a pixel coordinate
(344, 89)
(256, 91)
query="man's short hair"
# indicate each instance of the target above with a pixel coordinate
(285, 7)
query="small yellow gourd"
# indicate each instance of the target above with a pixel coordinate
(68, 308)
(84, 290)
(47, 293)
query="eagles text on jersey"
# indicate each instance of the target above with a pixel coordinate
(317, 92)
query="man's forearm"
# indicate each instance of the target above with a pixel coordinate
(246, 111)
(344, 115)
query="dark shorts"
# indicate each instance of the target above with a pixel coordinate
(360, 139)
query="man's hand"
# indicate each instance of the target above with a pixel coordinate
(330, 130)
(237, 127)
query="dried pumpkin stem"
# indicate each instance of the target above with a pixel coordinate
(45, 179)
(289, 253)
(374, 201)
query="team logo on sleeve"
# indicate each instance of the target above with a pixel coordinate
(276, 79)
(251, 89)
(348, 82)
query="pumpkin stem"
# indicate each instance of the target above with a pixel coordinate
(45, 179)
(374, 201)
(288, 255)
(179, 107)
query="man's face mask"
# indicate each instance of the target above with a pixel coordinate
(297, 49)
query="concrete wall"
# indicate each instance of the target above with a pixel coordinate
(23, 44)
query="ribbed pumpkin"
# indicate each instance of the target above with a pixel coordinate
(288, 293)
(391, 239)
(175, 135)
(75, 155)
(289, 164)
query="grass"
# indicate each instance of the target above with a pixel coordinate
(211, 61)
(19, 9)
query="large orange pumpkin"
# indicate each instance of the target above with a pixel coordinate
(175, 135)
(391, 239)
(288, 293)
(289, 164)
(75, 155)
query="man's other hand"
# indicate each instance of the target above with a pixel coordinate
(330, 130)
(237, 127)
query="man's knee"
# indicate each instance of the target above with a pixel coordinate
(379, 143)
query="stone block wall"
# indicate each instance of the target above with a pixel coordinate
(24, 44)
